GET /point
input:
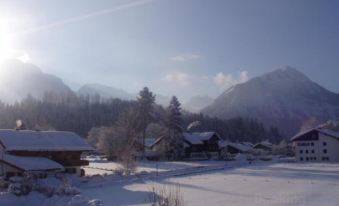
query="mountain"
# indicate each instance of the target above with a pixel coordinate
(196, 103)
(284, 98)
(18, 79)
(105, 91)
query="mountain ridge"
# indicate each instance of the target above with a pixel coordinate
(284, 98)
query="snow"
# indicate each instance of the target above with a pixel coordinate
(226, 183)
(107, 167)
(32, 163)
(198, 138)
(261, 184)
(239, 146)
(29, 140)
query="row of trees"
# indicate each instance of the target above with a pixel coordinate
(128, 134)
(116, 126)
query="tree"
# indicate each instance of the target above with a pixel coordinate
(145, 109)
(119, 141)
(174, 124)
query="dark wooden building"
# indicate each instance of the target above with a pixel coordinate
(201, 142)
(41, 152)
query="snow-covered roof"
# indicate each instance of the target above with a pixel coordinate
(239, 146)
(28, 140)
(199, 137)
(265, 143)
(31, 163)
(327, 132)
(150, 141)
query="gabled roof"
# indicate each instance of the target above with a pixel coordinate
(266, 144)
(239, 146)
(28, 140)
(324, 131)
(199, 137)
(149, 142)
(31, 163)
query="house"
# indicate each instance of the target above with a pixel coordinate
(41, 152)
(316, 144)
(235, 148)
(263, 147)
(201, 142)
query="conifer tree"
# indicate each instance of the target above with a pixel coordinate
(174, 124)
(146, 101)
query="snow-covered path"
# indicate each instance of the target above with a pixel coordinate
(259, 185)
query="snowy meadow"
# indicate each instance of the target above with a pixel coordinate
(202, 183)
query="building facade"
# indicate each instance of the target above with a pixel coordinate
(317, 145)
(41, 152)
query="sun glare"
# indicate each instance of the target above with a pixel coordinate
(5, 40)
(8, 44)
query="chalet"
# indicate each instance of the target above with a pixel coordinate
(204, 142)
(264, 146)
(235, 148)
(317, 144)
(41, 152)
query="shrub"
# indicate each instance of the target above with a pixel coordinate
(166, 196)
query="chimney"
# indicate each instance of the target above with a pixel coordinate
(20, 125)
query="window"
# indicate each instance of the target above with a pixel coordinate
(315, 158)
(312, 151)
(324, 143)
(307, 158)
(312, 143)
(301, 151)
(70, 170)
(306, 151)
(301, 159)
(325, 158)
(325, 151)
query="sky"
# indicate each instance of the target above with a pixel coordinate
(175, 47)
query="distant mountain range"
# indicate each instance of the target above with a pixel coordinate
(284, 98)
(196, 103)
(18, 79)
(105, 92)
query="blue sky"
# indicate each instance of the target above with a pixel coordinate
(181, 47)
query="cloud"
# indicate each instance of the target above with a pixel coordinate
(185, 57)
(178, 77)
(225, 81)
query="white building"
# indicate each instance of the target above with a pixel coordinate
(317, 144)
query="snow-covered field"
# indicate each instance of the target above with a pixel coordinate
(106, 167)
(259, 184)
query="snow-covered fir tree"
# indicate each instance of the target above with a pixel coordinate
(174, 124)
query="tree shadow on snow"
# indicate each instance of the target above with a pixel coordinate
(117, 194)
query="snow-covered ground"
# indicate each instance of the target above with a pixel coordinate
(259, 184)
(102, 167)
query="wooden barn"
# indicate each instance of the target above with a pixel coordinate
(41, 152)
(201, 142)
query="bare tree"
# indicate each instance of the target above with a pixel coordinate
(166, 196)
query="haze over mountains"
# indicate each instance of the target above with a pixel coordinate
(285, 98)
(18, 79)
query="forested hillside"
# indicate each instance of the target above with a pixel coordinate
(81, 113)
